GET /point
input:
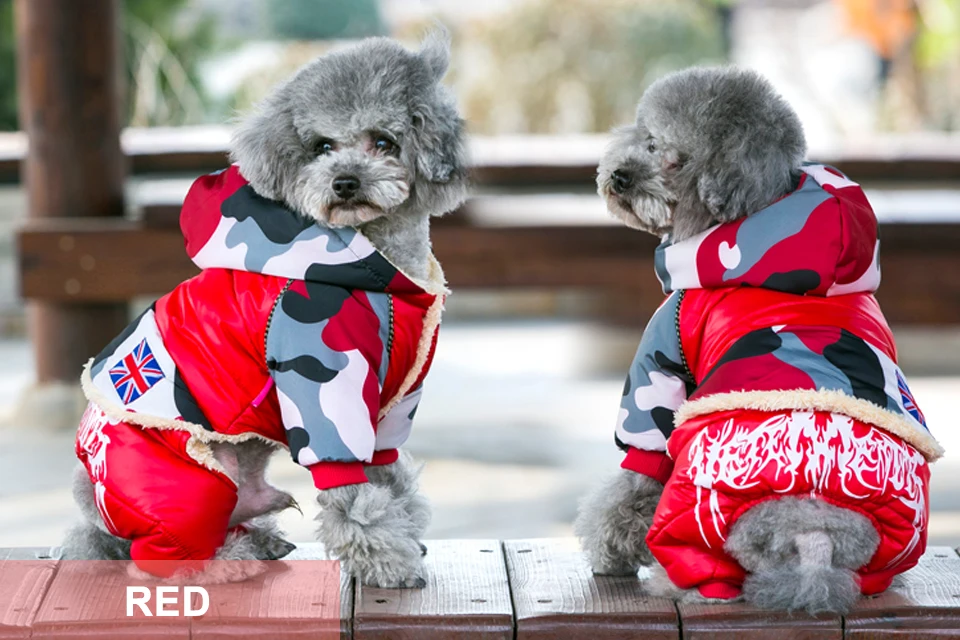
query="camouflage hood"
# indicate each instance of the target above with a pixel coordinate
(227, 225)
(821, 240)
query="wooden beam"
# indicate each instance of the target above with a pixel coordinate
(467, 596)
(103, 261)
(69, 91)
(543, 163)
(556, 596)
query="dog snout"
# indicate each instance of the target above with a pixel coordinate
(346, 186)
(621, 180)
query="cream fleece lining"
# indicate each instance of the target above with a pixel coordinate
(198, 446)
(814, 400)
(437, 285)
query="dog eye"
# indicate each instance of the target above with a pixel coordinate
(385, 145)
(324, 146)
(651, 146)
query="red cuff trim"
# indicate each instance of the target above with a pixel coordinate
(721, 590)
(327, 475)
(654, 464)
(330, 474)
(387, 456)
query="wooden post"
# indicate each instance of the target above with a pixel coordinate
(69, 81)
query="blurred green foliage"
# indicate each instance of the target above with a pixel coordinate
(8, 75)
(568, 66)
(162, 54)
(161, 59)
(324, 19)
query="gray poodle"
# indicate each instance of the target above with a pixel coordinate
(713, 145)
(363, 137)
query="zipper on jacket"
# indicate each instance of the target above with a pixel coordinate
(676, 324)
(390, 336)
(273, 310)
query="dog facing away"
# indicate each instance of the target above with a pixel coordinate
(311, 326)
(774, 451)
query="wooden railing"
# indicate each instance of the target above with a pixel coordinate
(506, 238)
(522, 589)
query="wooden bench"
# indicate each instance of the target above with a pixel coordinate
(77, 260)
(523, 589)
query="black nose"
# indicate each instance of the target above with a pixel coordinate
(346, 186)
(621, 181)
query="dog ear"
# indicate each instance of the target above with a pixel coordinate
(435, 52)
(268, 150)
(738, 183)
(757, 157)
(440, 148)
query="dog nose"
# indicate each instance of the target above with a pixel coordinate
(621, 181)
(346, 186)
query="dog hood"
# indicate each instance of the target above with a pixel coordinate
(821, 240)
(226, 224)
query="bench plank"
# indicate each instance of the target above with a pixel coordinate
(101, 260)
(467, 596)
(290, 601)
(557, 596)
(23, 584)
(740, 621)
(87, 598)
(923, 603)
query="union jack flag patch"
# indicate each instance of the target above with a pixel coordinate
(136, 373)
(908, 402)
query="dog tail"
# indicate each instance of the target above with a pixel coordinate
(802, 554)
(811, 582)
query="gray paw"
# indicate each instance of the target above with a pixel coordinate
(416, 583)
(278, 549)
(613, 522)
(614, 569)
(367, 528)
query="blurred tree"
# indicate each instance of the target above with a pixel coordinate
(161, 57)
(937, 55)
(324, 19)
(8, 76)
(567, 66)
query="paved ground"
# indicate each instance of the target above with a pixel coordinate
(511, 430)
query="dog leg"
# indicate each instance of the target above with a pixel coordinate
(90, 539)
(402, 478)
(268, 539)
(802, 554)
(239, 558)
(613, 521)
(370, 532)
(247, 462)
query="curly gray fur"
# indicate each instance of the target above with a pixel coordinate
(709, 145)
(403, 479)
(613, 521)
(372, 534)
(349, 99)
(802, 554)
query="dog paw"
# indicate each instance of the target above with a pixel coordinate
(600, 568)
(225, 571)
(416, 583)
(277, 549)
(390, 580)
